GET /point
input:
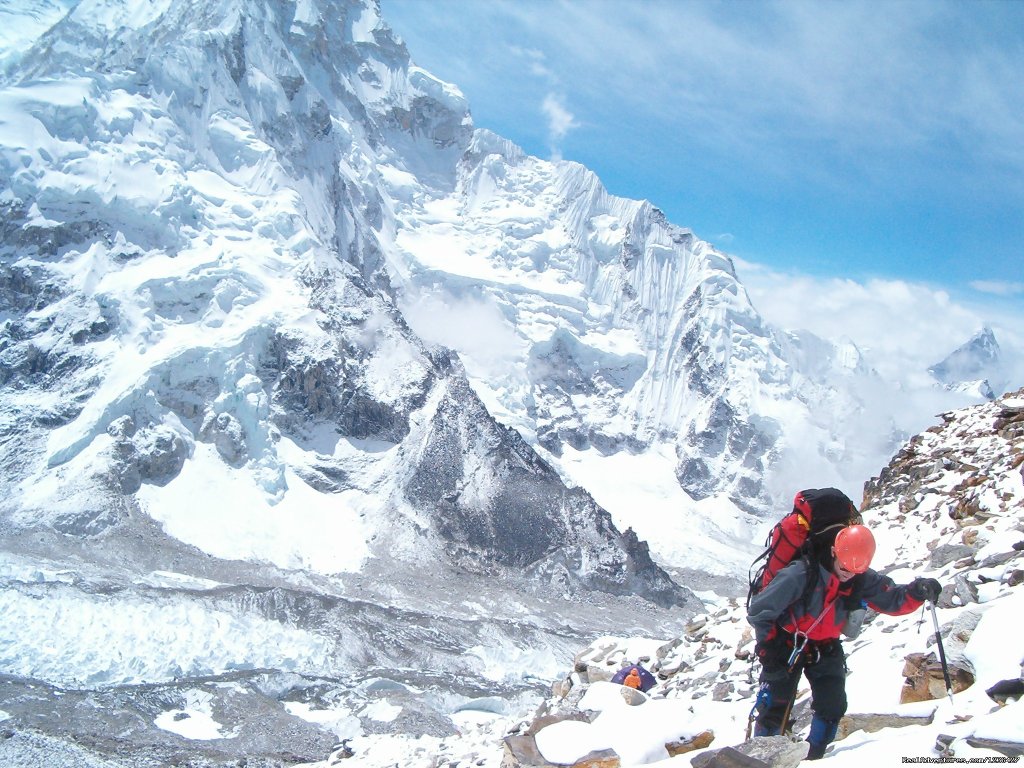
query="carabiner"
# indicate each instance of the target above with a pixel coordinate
(798, 648)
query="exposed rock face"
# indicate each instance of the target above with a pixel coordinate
(496, 502)
(925, 679)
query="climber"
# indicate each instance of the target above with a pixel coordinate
(797, 621)
(633, 679)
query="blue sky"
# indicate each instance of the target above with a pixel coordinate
(832, 140)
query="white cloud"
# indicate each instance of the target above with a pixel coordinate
(485, 338)
(902, 327)
(999, 288)
(560, 122)
(535, 59)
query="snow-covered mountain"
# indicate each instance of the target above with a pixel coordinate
(231, 472)
(628, 352)
(276, 184)
(311, 392)
(975, 367)
(22, 23)
(201, 318)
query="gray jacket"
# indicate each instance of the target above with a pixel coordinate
(783, 604)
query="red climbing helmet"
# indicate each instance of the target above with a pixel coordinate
(854, 548)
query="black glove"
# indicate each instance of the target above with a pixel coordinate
(924, 589)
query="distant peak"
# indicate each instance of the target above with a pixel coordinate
(985, 338)
(973, 366)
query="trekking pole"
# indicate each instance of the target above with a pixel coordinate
(942, 652)
(798, 669)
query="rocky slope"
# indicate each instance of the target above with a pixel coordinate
(951, 505)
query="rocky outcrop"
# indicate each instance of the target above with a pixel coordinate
(762, 752)
(975, 454)
(494, 501)
(925, 678)
(871, 722)
(973, 446)
(957, 481)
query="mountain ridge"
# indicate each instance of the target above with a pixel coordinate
(225, 299)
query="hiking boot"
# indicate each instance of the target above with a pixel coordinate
(821, 735)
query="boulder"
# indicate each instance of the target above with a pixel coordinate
(601, 661)
(728, 757)
(700, 741)
(1006, 690)
(759, 752)
(555, 709)
(947, 553)
(961, 592)
(956, 634)
(521, 752)
(632, 696)
(1007, 748)
(542, 721)
(562, 688)
(723, 691)
(870, 722)
(925, 681)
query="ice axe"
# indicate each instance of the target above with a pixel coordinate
(942, 652)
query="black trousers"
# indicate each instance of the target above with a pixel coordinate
(825, 670)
